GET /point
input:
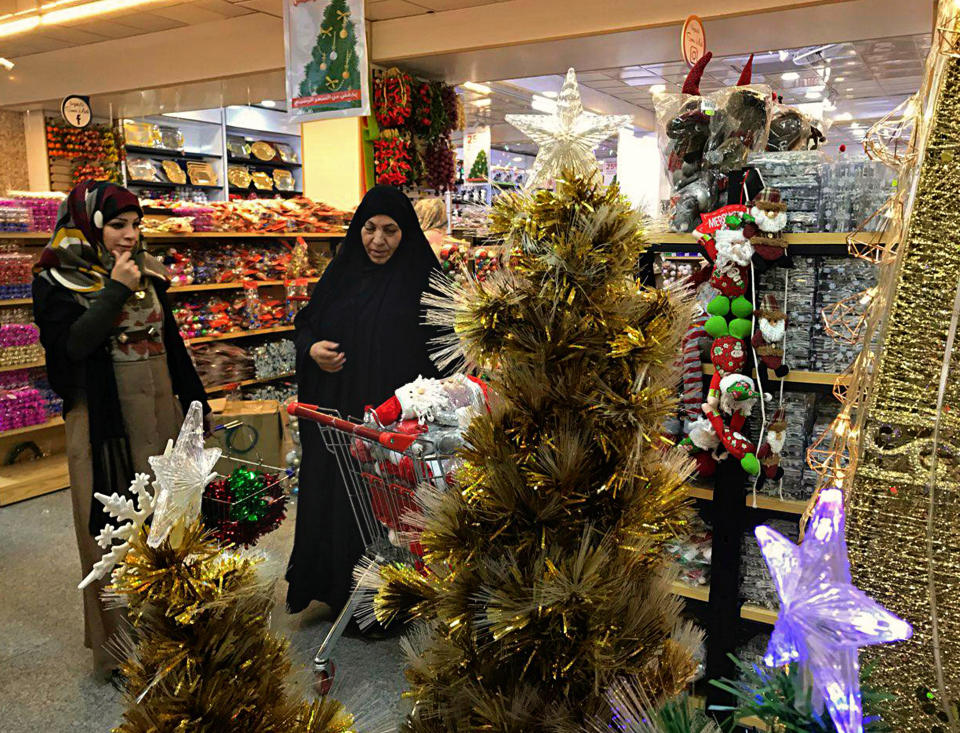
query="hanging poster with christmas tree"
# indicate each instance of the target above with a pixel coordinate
(476, 154)
(327, 65)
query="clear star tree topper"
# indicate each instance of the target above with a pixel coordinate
(568, 137)
(824, 619)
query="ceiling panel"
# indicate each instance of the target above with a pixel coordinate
(440, 5)
(70, 36)
(388, 9)
(149, 22)
(223, 8)
(270, 7)
(189, 13)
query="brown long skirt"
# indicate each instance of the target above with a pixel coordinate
(152, 416)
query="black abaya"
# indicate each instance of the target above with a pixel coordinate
(373, 312)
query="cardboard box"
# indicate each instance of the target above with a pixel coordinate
(261, 437)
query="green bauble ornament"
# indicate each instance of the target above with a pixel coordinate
(741, 328)
(719, 306)
(733, 221)
(741, 307)
(716, 326)
(750, 464)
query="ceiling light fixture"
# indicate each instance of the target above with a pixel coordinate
(550, 95)
(6, 63)
(813, 94)
(843, 117)
(784, 55)
(542, 104)
(658, 88)
(840, 78)
(478, 88)
(50, 14)
(485, 102)
(790, 76)
(268, 103)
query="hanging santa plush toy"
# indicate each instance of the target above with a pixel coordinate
(769, 453)
(703, 445)
(767, 340)
(737, 399)
(769, 214)
(730, 251)
(735, 443)
(728, 356)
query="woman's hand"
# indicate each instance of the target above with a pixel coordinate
(126, 272)
(327, 357)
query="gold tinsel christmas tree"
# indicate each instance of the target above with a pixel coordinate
(205, 660)
(546, 581)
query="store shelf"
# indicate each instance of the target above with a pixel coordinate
(795, 377)
(239, 334)
(758, 614)
(16, 301)
(31, 365)
(170, 153)
(247, 383)
(694, 592)
(165, 184)
(25, 235)
(262, 193)
(33, 478)
(769, 503)
(702, 593)
(164, 236)
(231, 286)
(256, 162)
(54, 422)
(805, 239)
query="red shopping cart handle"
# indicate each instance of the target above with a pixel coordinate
(394, 441)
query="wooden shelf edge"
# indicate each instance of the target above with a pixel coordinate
(197, 235)
(758, 614)
(16, 301)
(764, 501)
(31, 365)
(800, 238)
(247, 383)
(239, 335)
(694, 592)
(795, 377)
(231, 285)
(53, 422)
(34, 478)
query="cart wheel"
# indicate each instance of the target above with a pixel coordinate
(324, 673)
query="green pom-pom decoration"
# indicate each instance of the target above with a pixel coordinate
(719, 306)
(716, 326)
(740, 327)
(733, 221)
(750, 464)
(741, 307)
(748, 219)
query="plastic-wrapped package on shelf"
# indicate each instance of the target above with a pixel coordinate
(800, 306)
(42, 207)
(800, 413)
(826, 411)
(838, 278)
(16, 315)
(19, 344)
(754, 648)
(852, 190)
(220, 363)
(756, 587)
(690, 552)
(21, 408)
(797, 175)
(274, 358)
(282, 392)
(16, 274)
(14, 218)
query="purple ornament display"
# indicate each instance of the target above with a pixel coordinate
(824, 619)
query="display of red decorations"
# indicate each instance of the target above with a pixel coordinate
(394, 164)
(485, 262)
(243, 507)
(392, 103)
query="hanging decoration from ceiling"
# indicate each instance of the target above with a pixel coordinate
(568, 137)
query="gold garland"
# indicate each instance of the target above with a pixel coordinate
(895, 446)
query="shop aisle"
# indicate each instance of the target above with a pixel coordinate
(45, 681)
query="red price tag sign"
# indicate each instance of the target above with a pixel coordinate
(693, 40)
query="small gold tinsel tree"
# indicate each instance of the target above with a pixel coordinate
(205, 660)
(546, 578)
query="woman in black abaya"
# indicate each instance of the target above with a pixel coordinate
(359, 339)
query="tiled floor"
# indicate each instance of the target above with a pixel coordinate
(45, 680)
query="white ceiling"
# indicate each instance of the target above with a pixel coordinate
(862, 79)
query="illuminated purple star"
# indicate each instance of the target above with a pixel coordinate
(824, 619)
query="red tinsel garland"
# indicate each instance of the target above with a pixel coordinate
(393, 161)
(392, 99)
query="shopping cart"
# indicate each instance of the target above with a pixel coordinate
(382, 471)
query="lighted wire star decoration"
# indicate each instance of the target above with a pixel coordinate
(566, 138)
(182, 472)
(824, 619)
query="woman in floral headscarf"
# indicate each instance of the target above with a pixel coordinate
(115, 356)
